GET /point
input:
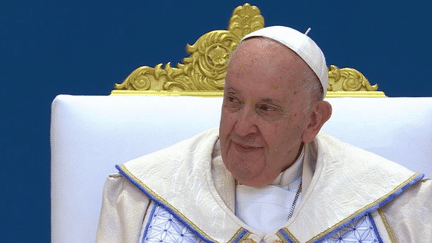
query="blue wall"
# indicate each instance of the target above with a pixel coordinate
(84, 47)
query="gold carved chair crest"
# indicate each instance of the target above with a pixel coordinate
(203, 72)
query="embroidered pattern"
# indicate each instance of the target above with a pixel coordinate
(163, 227)
(360, 231)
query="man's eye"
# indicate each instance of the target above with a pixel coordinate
(267, 108)
(232, 99)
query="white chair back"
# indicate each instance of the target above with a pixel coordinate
(91, 134)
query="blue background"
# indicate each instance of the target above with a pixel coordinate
(84, 47)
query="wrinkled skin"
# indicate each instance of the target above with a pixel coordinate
(264, 124)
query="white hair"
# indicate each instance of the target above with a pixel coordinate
(313, 88)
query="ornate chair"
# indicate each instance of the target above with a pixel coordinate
(156, 107)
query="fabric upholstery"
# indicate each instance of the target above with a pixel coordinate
(91, 134)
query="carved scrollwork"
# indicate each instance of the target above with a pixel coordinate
(138, 79)
(209, 59)
(205, 68)
(348, 79)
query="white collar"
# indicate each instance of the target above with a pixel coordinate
(291, 174)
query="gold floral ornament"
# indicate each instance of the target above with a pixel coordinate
(204, 70)
(350, 82)
(245, 19)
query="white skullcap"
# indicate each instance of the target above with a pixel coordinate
(301, 44)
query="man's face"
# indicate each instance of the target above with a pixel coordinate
(263, 112)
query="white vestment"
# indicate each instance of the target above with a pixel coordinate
(185, 194)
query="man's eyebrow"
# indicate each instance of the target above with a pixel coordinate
(264, 100)
(231, 89)
(270, 101)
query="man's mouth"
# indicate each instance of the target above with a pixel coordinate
(245, 148)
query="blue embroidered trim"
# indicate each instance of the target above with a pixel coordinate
(148, 223)
(361, 230)
(373, 208)
(282, 232)
(398, 192)
(164, 227)
(375, 228)
(236, 240)
(163, 205)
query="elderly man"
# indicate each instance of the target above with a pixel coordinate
(267, 175)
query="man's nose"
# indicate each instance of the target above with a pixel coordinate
(246, 122)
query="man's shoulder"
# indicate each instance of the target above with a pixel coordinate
(409, 216)
(337, 151)
(358, 182)
(348, 167)
(183, 158)
(415, 199)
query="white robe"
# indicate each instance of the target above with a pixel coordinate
(184, 193)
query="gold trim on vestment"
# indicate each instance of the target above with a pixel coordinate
(387, 226)
(246, 235)
(282, 237)
(362, 209)
(167, 204)
(247, 241)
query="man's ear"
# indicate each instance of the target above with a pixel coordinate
(321, 112)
